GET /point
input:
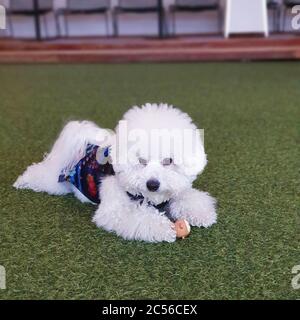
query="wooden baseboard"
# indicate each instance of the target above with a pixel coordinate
(181, 49)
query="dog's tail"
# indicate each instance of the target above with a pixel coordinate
(67, 150)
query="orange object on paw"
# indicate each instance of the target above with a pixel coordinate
(182, 228)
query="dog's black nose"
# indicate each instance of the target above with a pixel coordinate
(153, 185)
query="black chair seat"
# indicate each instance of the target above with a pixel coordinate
(83, 11)
(273, 5)
(29, 12)
(194, 8)
(137, 9)
(290, 4)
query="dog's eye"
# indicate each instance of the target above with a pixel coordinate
(143, 161)
(167, 161)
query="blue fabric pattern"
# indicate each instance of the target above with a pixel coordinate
(87, 173)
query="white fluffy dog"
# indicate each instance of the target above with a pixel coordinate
(145, 187)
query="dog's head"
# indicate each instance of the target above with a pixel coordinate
(158, 152)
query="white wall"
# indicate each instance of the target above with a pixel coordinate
(129, 24)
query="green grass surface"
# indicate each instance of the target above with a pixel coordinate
(250, 113)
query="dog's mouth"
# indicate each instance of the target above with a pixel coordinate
(139, 198)
(157, 197)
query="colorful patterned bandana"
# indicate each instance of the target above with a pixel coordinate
(87, 173)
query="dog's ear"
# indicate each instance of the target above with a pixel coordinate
(194, 157)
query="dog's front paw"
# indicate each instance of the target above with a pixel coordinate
(144, 223)
(159, 230)
(202, 219)
(198, 208)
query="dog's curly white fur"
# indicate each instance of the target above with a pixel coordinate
(117, 212)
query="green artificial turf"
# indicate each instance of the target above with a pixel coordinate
(250, 113)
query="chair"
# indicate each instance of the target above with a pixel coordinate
(195, 6)
(288, 4)
(275, 7)
(83, 7)
(133, 6)
(26, 8)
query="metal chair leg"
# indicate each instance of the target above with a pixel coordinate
(10, 25)
(220, 18)
(57, 24)
(278, 19)
(44, 18)
(115, 23)
(165, 25)
(284, 18)
(66, 22)
(273, 19)
(173, 22)
(106, 23)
